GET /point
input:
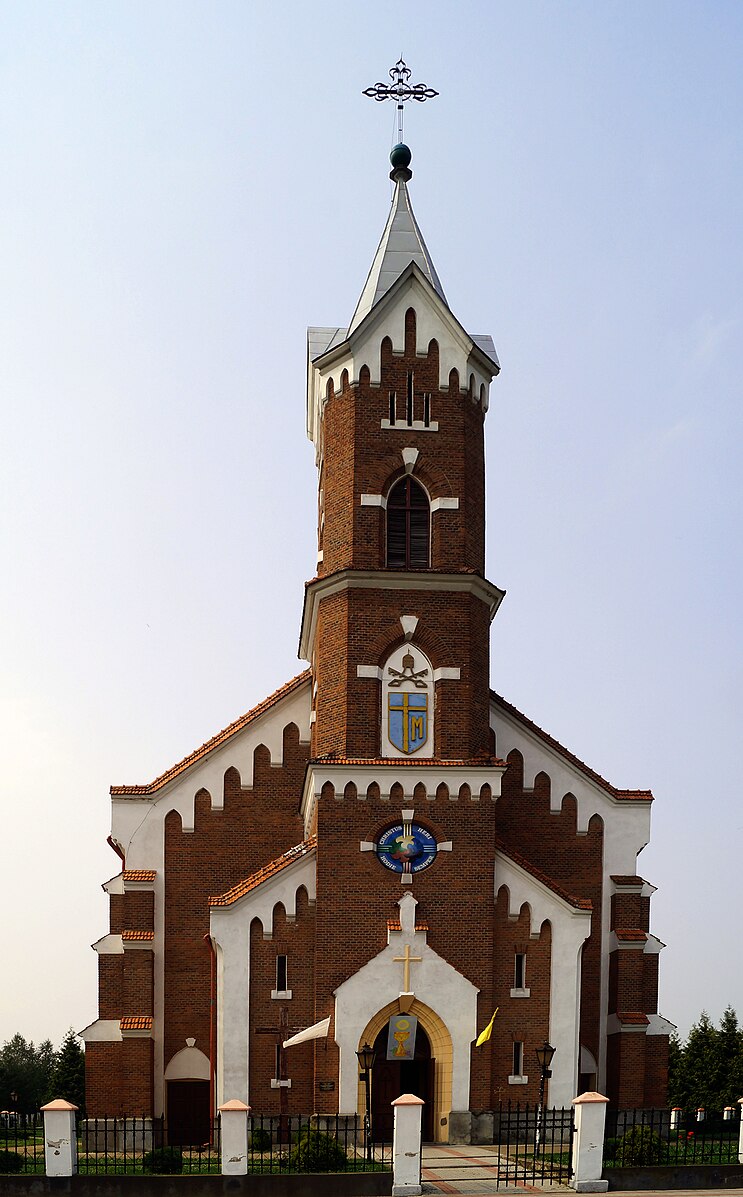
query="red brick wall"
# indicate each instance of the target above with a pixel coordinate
(256, 826)
(296, 941)
(522, 1019)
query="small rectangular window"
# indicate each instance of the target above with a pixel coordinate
(519, 971)
(281, 974)
(518, 1058)
(393, 404)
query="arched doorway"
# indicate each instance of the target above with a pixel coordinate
(392, 1078)
(188, 1097)
(435, 1123)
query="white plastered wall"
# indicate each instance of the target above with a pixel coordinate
(230, 932)
(435, 983)
(570, 929)
(138, 824)
(626, 825)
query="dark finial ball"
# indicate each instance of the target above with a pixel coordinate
(400, 157)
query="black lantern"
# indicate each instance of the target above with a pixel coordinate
(544, 1055)
(366, 1056)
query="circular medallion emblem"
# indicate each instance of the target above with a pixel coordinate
(406, 848)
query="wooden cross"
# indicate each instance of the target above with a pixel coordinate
(407, 960)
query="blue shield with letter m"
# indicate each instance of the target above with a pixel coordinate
(408, 721)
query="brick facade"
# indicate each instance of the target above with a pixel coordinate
(498, 796)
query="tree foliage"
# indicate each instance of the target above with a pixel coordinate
(68, 1080)
(707, 1070)
(32, 1075)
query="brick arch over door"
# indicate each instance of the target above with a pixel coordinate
(441, 1050)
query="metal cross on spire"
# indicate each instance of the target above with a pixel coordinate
(400, 90)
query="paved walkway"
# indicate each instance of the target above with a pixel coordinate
(473, 1171)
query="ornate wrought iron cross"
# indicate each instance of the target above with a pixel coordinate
(400, 90)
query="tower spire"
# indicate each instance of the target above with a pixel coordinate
(402, 242)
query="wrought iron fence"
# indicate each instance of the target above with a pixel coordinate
(515, 1145)
(644, 1138)
(130, 1146)
(320, 1143)
(21, 1142)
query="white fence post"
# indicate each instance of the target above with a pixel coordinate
(406, 1146)
(740, 1132)
(60, 1139)
(588, 1145)
(234, 1144)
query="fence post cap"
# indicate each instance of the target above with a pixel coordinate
(586, 1098)
(234, 1104)
(59, 1104)
(740, 1101)
(408, 1099)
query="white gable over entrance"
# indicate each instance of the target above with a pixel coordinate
(433, 981)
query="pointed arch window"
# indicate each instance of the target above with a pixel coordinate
(408, 526)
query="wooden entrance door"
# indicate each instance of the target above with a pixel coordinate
(392, 1078)
(188, 1120)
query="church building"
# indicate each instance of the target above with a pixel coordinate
(384, 851)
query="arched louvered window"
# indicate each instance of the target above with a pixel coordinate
(408, 526)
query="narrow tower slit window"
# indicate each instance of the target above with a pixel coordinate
(409, 401)
(277, 1063)
(281, 981)
(519, 970)
(393, 403)
(518, 1058)
(427, 408)
(408, 526)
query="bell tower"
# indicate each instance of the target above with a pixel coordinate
(396, 622)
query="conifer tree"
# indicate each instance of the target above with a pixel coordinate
(68, 1080)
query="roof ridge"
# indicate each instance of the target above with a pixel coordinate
(220, 738)
(622, 795)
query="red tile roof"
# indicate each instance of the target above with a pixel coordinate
(517, 858)
(436, 762)
(627, 880)
(269, 870)
(633, 1018)
(139, 874)
(215, 742)
(393, 925)
(142, 936)
(621, 795)
(136, 1022)
(631, 935)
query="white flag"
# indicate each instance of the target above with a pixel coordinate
(318, 1030)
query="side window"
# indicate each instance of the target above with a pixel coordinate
(408, 526)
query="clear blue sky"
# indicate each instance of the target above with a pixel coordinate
(186, 186)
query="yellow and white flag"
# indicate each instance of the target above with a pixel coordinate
(484, 1036)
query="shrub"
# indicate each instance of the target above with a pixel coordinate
(260, 1140)
(11, 1161)
(641, 1146)
(316, 1152)
(164, 1160)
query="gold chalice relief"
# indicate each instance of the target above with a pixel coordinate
(401, 1037)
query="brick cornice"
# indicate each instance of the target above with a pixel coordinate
(390, 579)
